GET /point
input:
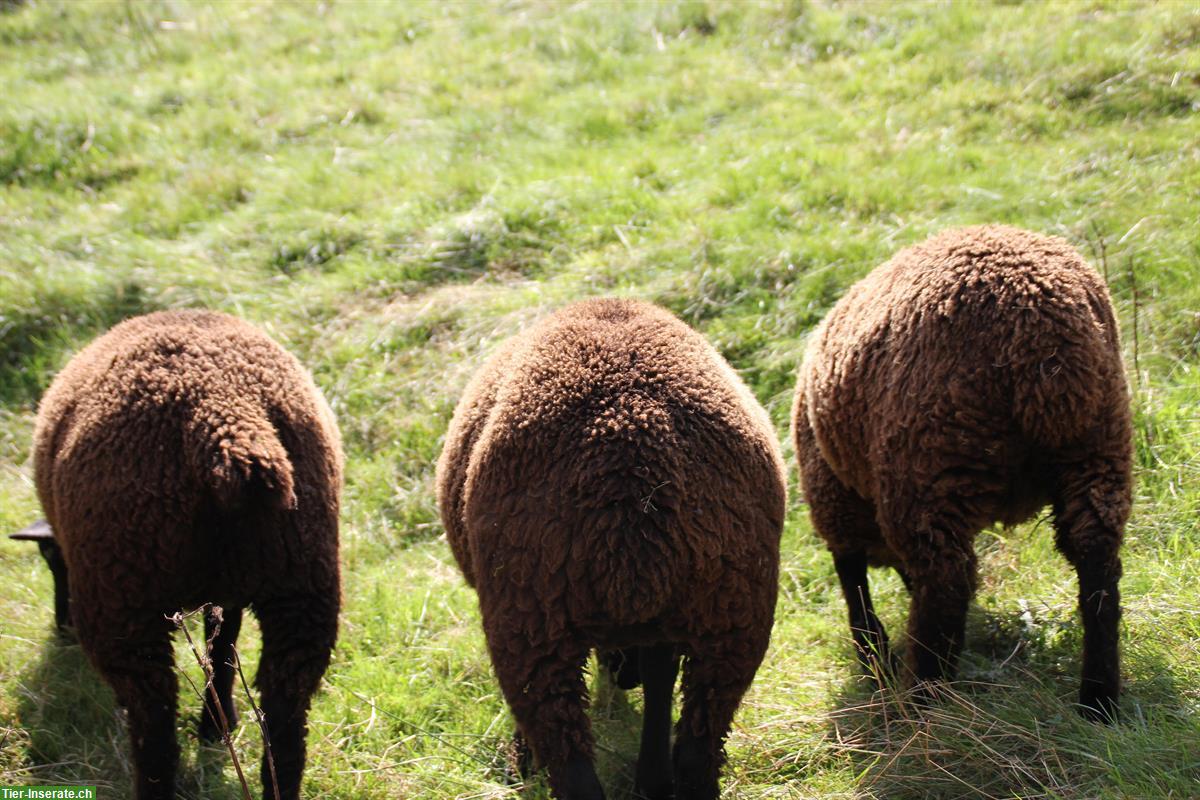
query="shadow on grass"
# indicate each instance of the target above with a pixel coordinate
(34, 337)
(77, 733)
(617, 725)
(1011, 728)
(71, 719)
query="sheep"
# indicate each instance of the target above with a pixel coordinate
(608, 482)
(973, 378)
(184, 458)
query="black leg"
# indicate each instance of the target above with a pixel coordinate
(543, 684)
(221, 635)
(52, 553)
(298, 635)
(622, 665)
(713, 684)
(938, 615)
(659, 666)
(870, 638)
(1100, 606)
(576, 780)
(1090, 510)
(141, 673)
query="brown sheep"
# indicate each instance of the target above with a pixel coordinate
(608, 482)
(974, 378)
(185, 458)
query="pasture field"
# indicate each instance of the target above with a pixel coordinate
(390, 189)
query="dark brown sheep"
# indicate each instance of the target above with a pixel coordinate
(185, 458)
(974, 378)
(609, 482)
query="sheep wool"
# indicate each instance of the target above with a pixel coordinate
(182, 459)
(974, 378)
(609, 482)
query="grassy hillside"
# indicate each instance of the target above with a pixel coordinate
(392, 189)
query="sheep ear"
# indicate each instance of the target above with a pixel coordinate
(37, 532)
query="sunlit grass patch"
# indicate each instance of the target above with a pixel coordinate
(392, 190)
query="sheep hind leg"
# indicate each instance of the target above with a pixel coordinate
(221, 634)
(870, 638)
(714, 681)
(1090, 509)
(658, 666)
(546, 692)
(141, 672)
(298, 634)
(847, 523)
(943, 585)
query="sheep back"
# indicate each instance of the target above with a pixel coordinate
(609, 464)
(958, 360)
(165, 449)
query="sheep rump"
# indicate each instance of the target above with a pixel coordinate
(608, 482)
(182, 459)
(973, 378)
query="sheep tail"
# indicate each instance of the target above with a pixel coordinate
(1069, 378)
(239, 456)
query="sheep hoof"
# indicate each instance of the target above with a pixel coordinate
(578, 780)
(695, 771)
(883, 669)
(209, 730)
(926, 693)
(664, 789)
(1098, 706)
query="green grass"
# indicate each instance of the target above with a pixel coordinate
(391, 190)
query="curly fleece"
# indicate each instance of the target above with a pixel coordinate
(973, 378)
(185, 458)
(608, 481)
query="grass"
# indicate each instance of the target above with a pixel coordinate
(390, 190)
